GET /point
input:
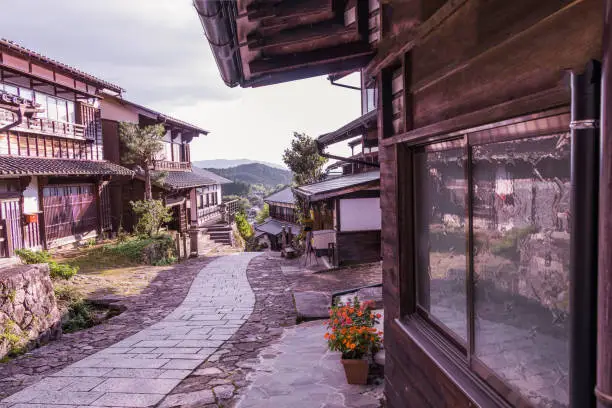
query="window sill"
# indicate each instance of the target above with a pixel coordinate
(444, 356)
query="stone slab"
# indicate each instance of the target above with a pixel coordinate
(312, 305)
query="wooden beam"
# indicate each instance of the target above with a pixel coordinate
(311, 58)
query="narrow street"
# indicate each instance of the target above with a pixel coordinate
(234, 328)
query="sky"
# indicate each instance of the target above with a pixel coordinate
(157, 52)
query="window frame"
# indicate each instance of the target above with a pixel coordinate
(417, 321)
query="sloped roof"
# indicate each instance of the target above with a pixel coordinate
(338, 185)
(275, 227)
(74, 71)
(350, 130)
(165, 118)
(284, 196)
(37, 166)
(177, 180)
(209, 174)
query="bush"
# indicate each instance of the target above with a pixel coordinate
(62, 271)
(244, 228)
(151, 215)
(263, 214)
(157, 250)
(57, 271)
(28, 256)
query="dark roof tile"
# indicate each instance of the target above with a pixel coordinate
(37, 166)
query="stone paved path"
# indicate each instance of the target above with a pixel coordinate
(140, 370)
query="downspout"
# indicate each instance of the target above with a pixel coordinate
(19, 121)
(321, 147)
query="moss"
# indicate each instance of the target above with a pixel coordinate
(12, 295)
(15, 341)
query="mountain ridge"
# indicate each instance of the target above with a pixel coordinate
(227, 163)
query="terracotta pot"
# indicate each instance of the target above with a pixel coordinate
(356, 371)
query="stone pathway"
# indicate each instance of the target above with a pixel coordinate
(162, 295)
(141, 369)
(299, 372)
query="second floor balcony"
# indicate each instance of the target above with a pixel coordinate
(166, 165)
(46, 126)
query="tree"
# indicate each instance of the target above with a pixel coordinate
(303, 160)
(141, 147)
(151, 215)
(263, 214)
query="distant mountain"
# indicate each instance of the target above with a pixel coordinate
(254, 173)
(227, 163)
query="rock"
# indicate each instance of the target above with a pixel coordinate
(373, 294)
(208, 371)
(28, 309)
(189, 399)
(224, 391)
(379, 358)
(312, 305)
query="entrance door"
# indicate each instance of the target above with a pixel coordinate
(10, 227)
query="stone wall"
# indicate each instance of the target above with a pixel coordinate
(28, 310)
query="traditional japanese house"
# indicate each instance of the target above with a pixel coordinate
(53, 173)
(495, 193)
(193, 194)
(283, 215)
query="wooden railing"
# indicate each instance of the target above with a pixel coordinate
(208, 213)
(170, 165)
(44, 126)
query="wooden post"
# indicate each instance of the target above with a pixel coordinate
(42, 181)
(193, 207)
(603, 390)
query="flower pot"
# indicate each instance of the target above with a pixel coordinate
(356, 371)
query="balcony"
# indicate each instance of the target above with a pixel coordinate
(45, 126)
(172, 166)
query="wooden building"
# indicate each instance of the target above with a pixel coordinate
(193, 194)
(53, 173)
(495, 193)
(347, 217)
(283, 214)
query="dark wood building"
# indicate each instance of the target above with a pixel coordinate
(193, 194)
(494, 190)
(53, 173)
(283, 214)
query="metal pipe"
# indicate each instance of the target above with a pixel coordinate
(603, 391)
(334, 83)
(583, 241)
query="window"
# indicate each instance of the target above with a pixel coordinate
(492, 256)
(176, 152)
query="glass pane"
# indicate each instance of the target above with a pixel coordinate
(62, 111)
(26, 94)
(11, 89)
(521, 209)
(441, 236)
(51, 108)
(71, 112)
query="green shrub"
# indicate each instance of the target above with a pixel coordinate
(151, 215)
(244, 228)
(62, 271)
(80, 316)
(28, 256)
(134, 249)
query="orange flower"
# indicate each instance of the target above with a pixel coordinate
(378, 315)
(326, 336)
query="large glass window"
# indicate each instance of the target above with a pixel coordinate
(504, 298)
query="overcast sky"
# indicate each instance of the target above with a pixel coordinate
(156, 50)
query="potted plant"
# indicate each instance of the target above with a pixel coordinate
(351, 331)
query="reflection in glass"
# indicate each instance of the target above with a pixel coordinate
(441, 236)
(521, 209)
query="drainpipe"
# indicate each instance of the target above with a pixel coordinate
(19, 121)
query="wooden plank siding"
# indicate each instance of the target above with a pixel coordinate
(485, 62)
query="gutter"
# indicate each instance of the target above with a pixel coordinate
(216, 17)
(19, 121)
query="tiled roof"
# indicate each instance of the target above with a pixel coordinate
(177, 180)
(284, 196)
(275, 227)
(338, 185)
(209, 174)
(36, 166)
(34, 55)
(166, 118)
(351, 129)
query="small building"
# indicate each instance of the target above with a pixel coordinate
(54, 175)
(347, 217)
(193, 194)
(283, 215)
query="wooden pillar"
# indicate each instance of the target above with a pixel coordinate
(603, 390)
(193, 207)
(42, 181)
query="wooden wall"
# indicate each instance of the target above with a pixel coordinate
(33, 145)
(357, 247)
(488, 61)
